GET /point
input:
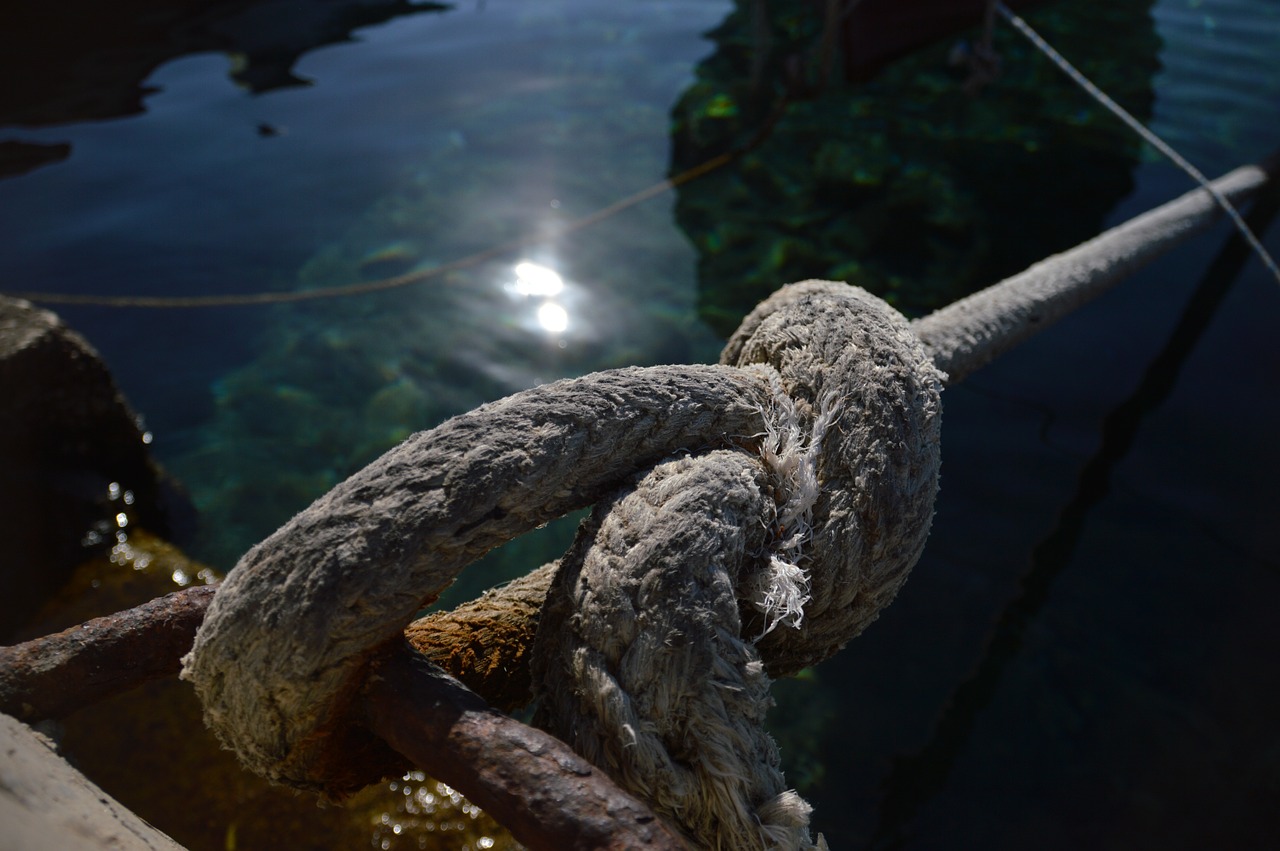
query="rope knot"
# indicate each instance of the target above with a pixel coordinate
(805, 508)
(653, 645)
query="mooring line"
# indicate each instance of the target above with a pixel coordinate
(397, 281)
(915, 779)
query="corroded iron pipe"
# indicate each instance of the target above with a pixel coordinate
(53, 676)
(534, 784)
(530, 781)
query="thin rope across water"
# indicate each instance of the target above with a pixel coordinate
(384, 284)
(1138, 127)
(652, 191)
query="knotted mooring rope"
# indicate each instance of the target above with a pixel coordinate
(749, 519)
(649, 653)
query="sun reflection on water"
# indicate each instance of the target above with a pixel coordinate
(541, 282)
(553, 318)
(534, 279)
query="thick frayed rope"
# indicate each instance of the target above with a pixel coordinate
(284, 648)
(642, 660)
(867, 399)
(813, 471)
(642, 663)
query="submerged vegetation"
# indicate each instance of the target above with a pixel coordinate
(910, 184)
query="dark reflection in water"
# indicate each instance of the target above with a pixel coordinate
(90, 63)
(20, 157)
(907, 185)
(917, 778)
(878, 31)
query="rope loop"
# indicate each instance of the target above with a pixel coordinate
(750, 518)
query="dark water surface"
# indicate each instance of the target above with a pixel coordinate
(1084, 657)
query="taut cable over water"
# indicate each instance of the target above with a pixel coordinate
(1138, 127)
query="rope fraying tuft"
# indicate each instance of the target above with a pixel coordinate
(781, 590)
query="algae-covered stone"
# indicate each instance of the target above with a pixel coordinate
(68, 442)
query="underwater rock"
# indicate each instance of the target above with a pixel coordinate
(74, 456)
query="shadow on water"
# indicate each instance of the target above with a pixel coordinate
(91, 63)
(916, 779)
(908, 184)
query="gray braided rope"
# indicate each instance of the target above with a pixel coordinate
(278, 695)
(643, 666)
(642, 662)
(969, 333)
(285, 641)
(807, 530)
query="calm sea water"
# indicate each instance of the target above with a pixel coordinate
(1085, 655)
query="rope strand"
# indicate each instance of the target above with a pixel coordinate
(1138, 127)
(382, 284)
